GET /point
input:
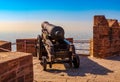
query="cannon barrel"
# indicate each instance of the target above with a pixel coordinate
(55, 32)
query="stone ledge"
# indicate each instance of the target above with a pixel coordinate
(5, 46)
(16, 67)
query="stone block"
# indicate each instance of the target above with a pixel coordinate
(27, 45)
(16, 67)
(5, 46)
(106, 37)
(8, 76)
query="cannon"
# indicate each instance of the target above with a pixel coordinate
(52, 47)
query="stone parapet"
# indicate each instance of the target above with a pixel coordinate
(16, 67)
(5, 46)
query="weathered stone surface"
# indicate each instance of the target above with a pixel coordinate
(91, 70)
(29, 77)
(100, 20)
(8, 76)
(106, 37)
(27, 45)
(3, 68)
(20, 79)
(16, 67)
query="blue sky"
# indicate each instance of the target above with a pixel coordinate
(64, 5)
(57, 9)
(76, 16)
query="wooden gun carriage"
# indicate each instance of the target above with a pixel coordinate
(52, 47)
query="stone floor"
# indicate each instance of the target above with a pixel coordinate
(91, 70)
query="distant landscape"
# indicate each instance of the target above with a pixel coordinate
(16, 30)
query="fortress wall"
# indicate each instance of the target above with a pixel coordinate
(106, 37)
(16, 67)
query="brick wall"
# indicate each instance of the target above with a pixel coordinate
(16, 67)
(27, 45)
(106, 37)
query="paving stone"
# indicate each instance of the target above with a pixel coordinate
(91, 70)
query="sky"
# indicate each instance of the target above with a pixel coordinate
(73, 15)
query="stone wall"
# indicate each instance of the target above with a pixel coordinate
(106, 37)
(16, 67)
(5, 46)
(27, 45)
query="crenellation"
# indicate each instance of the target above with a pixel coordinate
(100, 20)
(113, 23)
(106, 37)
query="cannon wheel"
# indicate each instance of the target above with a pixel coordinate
(50, 65)
(76, 61)
(39, 47)
(44, 61)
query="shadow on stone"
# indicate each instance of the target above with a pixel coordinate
(87, 66)
(116, 58)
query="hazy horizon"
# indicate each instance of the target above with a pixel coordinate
(20, 18)
(32, 29)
